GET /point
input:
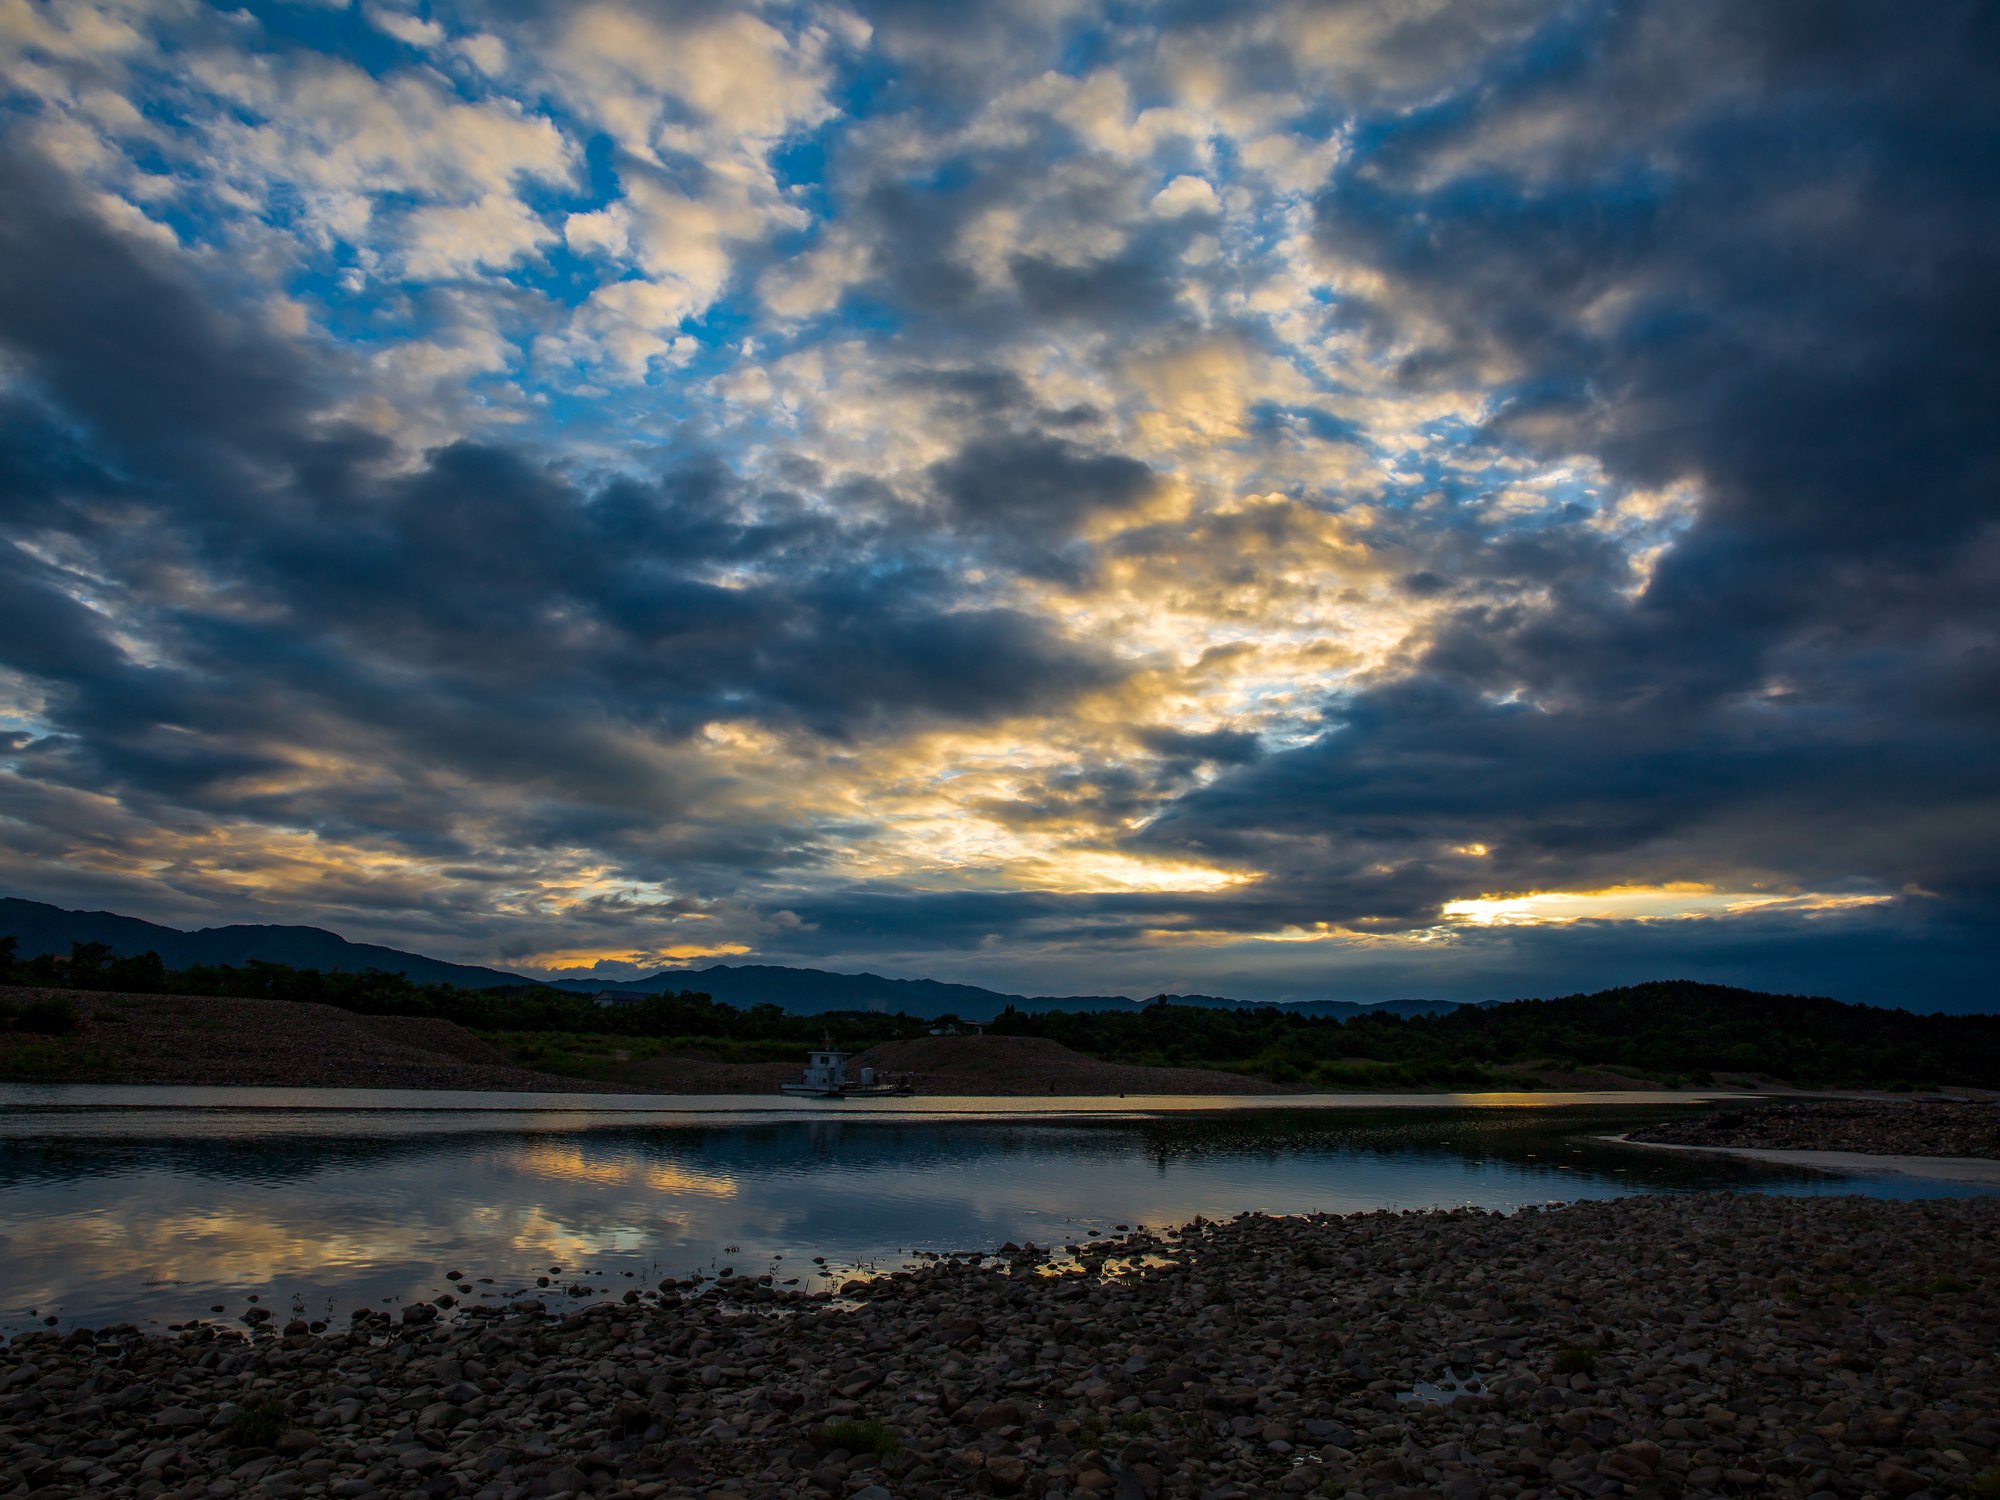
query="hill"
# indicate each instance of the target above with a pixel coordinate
(41, 928)
(206, 1040)
(1673, 1031)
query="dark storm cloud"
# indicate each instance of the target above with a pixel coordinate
(1043, 485)
(1757, 250)
(1223, 747)
(123, 344)
(486, 616)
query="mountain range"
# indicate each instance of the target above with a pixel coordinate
(810, 991)
(40, 928)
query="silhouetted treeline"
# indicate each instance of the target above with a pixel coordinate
(1674, 1031)
(689, 1013)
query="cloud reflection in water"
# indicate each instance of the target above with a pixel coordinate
(166, 1224)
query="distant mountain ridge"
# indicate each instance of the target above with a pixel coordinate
(41, 928)
(811, 991)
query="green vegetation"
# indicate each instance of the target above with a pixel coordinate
(616, 1058)
(49, 1015)
(1673, 1032)
(31, 1058)
(1575, 1359)
(259, 1422)
(862, 1435)
(1985, 1485)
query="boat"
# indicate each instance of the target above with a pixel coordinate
(826, 1078)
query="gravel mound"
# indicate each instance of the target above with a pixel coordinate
(187, 1039)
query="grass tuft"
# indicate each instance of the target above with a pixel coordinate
(259, 1422)
(1575, 1359)
(47, 1015)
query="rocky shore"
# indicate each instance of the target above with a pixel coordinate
(1711, 1345)
(1890, 1127)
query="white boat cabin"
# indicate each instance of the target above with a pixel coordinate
(826, 1070)
(826, 1073)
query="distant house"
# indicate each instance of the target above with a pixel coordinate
(619, 997)
(951, 1026)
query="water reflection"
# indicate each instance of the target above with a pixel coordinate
(160, 1214)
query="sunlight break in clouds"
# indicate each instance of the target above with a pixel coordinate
(1011, 492)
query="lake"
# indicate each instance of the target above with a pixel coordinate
(154, 1205)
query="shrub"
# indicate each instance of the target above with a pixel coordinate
(47, 1015)
(50, 1016)
(259, 1422)
(1575, 1359)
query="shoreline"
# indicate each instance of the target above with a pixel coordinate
(90, 1098)
(1981, 1170)
(1678, 1346)
(1963, 1128)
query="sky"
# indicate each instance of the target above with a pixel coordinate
(1308, 500)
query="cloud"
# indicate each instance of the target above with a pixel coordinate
(1037, 484)
(306, 638)
(1003, 486)
(1184, 195)
(1762, 307)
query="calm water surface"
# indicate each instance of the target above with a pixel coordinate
(155, 1205)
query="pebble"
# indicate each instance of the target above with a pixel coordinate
(1657, 1347)
(1878, 1127)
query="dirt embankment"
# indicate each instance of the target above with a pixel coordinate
(1888, 1127)
(1027, 1065)
(698, 1072)
(188, 1039)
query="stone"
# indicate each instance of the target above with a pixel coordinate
(1898, 1480)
